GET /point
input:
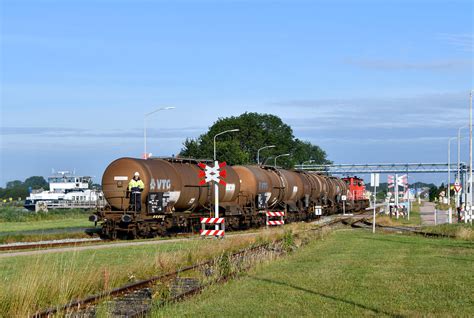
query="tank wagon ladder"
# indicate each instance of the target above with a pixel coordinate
(213, 221)
(270, 214)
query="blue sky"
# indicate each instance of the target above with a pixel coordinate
(368, 81)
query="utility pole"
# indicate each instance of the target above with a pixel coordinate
(374, 180)
(408, 198)
(450, 211)
(396, 194)
(258, 152)
(145, 154)
(470, 154)
(283, 155)
(458, 203)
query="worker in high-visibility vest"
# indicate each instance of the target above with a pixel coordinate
(135, 188)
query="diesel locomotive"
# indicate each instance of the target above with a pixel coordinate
(173, 199)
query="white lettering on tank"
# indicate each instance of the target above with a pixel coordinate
(163, 184)
(152, 184)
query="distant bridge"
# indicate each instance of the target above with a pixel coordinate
(351, 169)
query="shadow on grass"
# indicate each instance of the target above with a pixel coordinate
(457, 259)
(428, 241)
(349, 302)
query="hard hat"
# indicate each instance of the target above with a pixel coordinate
(137, 174)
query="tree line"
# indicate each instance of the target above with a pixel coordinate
(255, 131)
(20, 189)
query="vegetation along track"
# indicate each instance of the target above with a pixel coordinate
(364, 223)
(54, 244)
(134, 299)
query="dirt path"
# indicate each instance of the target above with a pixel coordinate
(427, 213)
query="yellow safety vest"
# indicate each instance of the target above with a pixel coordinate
(136, 184)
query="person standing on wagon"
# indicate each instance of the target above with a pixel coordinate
(135, 187)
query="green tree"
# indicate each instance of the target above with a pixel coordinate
(36, 182)
(14, 184)
(433, 193)
(17, 189)
(255, 131)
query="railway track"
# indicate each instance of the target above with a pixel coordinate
(140, 293)
(53, 244)
(365, 223)
(48, 244)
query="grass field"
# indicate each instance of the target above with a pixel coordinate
(17, 224)
(350, 273)
(30, 283)
(461, 231)
(78, 221)
(415, 218)
(19, 214)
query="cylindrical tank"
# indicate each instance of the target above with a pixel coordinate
(292, 184)
(178, 179)
(313, 186)
(331, 188)
(257, 182)
(324, 187)
(342, 187)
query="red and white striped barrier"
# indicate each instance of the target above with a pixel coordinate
(275, 222)
(270, 214)
(212, 232)
(218, 222)
(212, 220)
(275, 213)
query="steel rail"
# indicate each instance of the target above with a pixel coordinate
(80, 303)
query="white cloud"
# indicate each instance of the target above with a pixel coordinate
(417, 112)
(465, 41)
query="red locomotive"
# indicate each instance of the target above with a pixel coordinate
(355, 189)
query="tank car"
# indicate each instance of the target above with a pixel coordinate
(174, 201)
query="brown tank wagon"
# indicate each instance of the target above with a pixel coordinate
(177, 180)
(174, 201)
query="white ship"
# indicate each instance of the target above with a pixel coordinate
(66, 191)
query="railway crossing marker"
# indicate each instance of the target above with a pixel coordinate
(214, 174)
(269, 214)
(217, 222)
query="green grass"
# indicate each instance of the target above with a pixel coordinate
(350, 273)
(415, 218)
(19, 214)
(30, 283)
(18, 225)
(78, 221)
(461, 231)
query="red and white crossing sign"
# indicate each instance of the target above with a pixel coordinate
(457, 187)
(215, 173)
(390, 181)
(402, 180)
